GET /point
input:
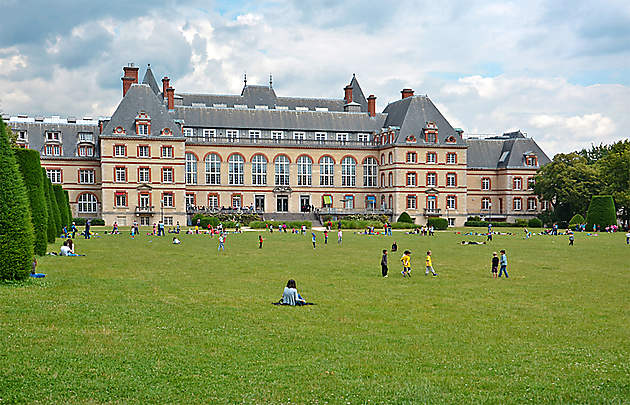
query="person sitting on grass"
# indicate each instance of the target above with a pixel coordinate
(176, 241)
(290, 295)
(66, 250)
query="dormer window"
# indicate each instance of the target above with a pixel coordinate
(22, 137)
(143, 124)
(430, 132)
(531, 160)
(53, 137)
(143, 129)
(52, 150)
(87, 137)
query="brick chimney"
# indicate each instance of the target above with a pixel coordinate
(170, 97)
(130, 76)
(348, 94)
(372, 105)
(165, 85)
(407, 93)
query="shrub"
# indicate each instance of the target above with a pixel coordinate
(97, 222)
(31, 169)
(535, 223)
(65, 193)
(79, 221)
(577, 220)
(205, 220)
(438, 223)
(51, 232)
(290, 224)
(474, 219)
(56, 216)
(16, 229)
(61, 203)
(484, 224)
(601, 211)
(404, 217)
(405, 225)
(521, 223)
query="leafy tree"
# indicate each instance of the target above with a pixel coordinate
(31, 169)
(568, 183)
(594, 154)
(56, 216)
(16, 229)
(62, 204)
(577, 219)
(51, 232)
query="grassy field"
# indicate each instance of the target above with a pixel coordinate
(144, 321)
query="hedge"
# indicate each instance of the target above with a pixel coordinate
(67, 197)
(290, 224)
(56, 215)
(577, 220)
(205, 220)
(31, 169)
(404, 217)
(438, 223)
(494, 224)
(361, 217)
(51, 233)
(61, 203)
(16, 229)
(79, 221)
(601, 211)
(535, 223)
(404, 225)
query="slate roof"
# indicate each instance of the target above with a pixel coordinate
(140, 97)
(357, 94)
(412, 114)
(150, 80)
(507, 151)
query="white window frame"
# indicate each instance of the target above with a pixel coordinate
(299, 136)
(145, 148)
(213, 201)
(86, 176)
(486, 203)
(326, 171)
(363, 137)
(531, 204)
(277, 136)
(320, 136)
(451, 158)
(144, 175)
(188, 132)
(305, 171)
(143, 129)
(451, 180)
(485, 180)
(213, 169)
(120, 150)
(259, 170)
(87, 203)
(232, 135)
(370, 172)
(55, 175)
(168, 173)
(120, 200)
(209, 133)
(431, 179)
(53, 136)
(431, 157)
(348, 172)
(281, 165)
(120, 175)
(85, 137)
(237, 201)
(412, 202)
(412, 179)
(236, 170)
(517, 204)
(168, 155)
(451, 202)
(341, 137)
(517, 183)
(191, 168)
(168, 200)
(254, 135)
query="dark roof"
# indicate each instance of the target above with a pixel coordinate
(412, 114)
(140, 98)
(506, 151)
(150, 80)
(357, 94)
(36, 133)
(278, 119)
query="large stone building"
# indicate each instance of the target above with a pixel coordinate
(162, 155)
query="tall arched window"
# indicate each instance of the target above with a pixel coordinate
(326, 171)
(369, 172)
(259, 170)
(390, 158)
(191, 168)
(348, 172)
(213, 169)
(305, 169)
(282, 170)
(87, 203)
(236, 170)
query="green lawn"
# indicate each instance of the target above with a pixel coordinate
(144, 321)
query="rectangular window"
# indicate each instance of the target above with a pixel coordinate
(277, 136)
(143, 129)
(364, 138)
(120, 175)
(451, 158)
(431, 179)
(213, 201)
(167, 175)
(190, 200)
(349, 202)
(530, 183)
(209, 133)
(326, 171)
(144, 175)
(451, 222)
(86, 137)
(22, 136)
(86, 176)
(120, 150)
(320, 136)
(232, 135)
(254, 135)
(518, 204)
(451, 179)
(53, 136)
(531, 204)
(412, 202)
(485, 204)
(531, 161)
(518, 183)
(299, 136)
(431, 157)
(485, 183)
(85, 151)
(236, 201)
(167, 200)
(412, 157)
(120, 199)
(451, 202)
(168, 221)
(411, 179)
(342, 137)
(144, 151)
(54, 175)
(167, 151)
(188, 132)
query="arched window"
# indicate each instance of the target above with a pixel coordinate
(259, 170)
(382, 158)
(369, 172)
(348, 172)
(305, 170)
(191, 168)
(236, 170)
(391, 158)
(87, 203)
(390, 179)
(326, 170)
(282, 170)
(213, 169)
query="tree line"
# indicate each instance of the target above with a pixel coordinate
(570, 181)
(33, 211)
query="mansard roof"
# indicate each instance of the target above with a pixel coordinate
(150, 80)
(278, 119)
(413, 114)
(140, 98)
(357, 94)
(507, 151)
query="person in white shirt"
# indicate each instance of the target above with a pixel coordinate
(290, 295)
(176, 241)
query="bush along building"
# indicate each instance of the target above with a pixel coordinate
(165, 155)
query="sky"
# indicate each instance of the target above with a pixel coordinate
(557, 70)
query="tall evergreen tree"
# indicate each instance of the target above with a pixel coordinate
(31, 169)
(51, 232)
(16, 229)
(62, 204)
(54, 208)
(70, 217)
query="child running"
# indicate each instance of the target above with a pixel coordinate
(260, 241)
(406, 261)
(429, 264)
(313, 238)
(339, 237)
(221, 243)
(495, 264)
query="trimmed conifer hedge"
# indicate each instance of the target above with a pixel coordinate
(62, 204)
(577, 220)
(404, 217)
(16, 229)
(50, 228)
(601, 211)
(31, 169)
(56, 216)
(67, 197)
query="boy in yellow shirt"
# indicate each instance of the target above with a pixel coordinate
(406, 261)
(429, 263)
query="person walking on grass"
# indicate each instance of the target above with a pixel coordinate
(221, 243)
(429, 264)
(260, 241)
(384, 269)
(571, 239)
(339, 237)
(88, 223)
(406, 262)
(495, 264)
(74, 230)
(628, 238)
(313, 238)
(325, 237)
(503, 262)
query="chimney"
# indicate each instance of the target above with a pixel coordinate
(165, 85)
(170, 97)
(372, 105)
(348, 94)
(130, 76)
(407, 93)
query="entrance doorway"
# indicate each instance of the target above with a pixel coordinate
(282, 203)
(259, 203)
(305, 203)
